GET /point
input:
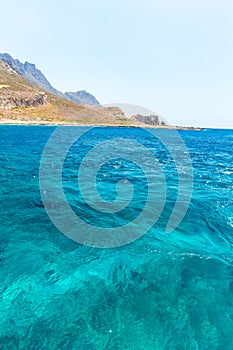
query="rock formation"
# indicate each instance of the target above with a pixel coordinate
(147, 119)
(32, 74)
(83, 97)
(9, 100)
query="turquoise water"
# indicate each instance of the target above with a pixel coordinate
(162, 291)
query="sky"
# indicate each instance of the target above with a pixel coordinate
(174, 57)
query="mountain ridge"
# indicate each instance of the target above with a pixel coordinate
(22, 102)
(83, 96)
(31, 73)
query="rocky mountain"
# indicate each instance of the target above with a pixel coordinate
(29, 72)
(24, 102)
(26, 96)
(83, 97)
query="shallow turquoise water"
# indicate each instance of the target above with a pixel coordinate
(163, 291)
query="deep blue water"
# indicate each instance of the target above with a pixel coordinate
(163, 291)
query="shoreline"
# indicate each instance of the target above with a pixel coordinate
(144, 126)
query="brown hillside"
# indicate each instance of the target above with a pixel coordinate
(21, 101)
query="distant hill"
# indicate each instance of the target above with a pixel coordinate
(26, 96)
(82, 97)
(22, 101)
(29, 72)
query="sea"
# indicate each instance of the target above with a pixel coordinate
(155, 287)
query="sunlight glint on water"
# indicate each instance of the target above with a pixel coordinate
(160, 292)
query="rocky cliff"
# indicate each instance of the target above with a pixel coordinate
(24, 102)
(9, 100)
(29, 72)
(148, 119)
(32, 74)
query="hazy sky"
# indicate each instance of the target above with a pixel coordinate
(172, 56)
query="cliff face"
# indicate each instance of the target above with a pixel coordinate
(21, 100)
(29, 72)
(147, 119)
(32, 74)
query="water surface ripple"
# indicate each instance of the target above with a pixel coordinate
(163, 291)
